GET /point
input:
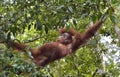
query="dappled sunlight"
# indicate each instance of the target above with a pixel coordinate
(113, 51)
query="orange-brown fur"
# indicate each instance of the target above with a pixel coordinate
(50, 52)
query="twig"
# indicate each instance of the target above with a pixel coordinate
(94, 73)
(28, 41)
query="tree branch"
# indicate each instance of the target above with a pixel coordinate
(28, 41)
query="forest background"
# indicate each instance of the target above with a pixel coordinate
(36, 22)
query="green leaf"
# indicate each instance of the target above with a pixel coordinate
(38, 25)
(74, 22)
(70, 9)
(29, 26)
(46, 29)
(113, 19)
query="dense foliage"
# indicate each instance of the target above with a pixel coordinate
(36, 22)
